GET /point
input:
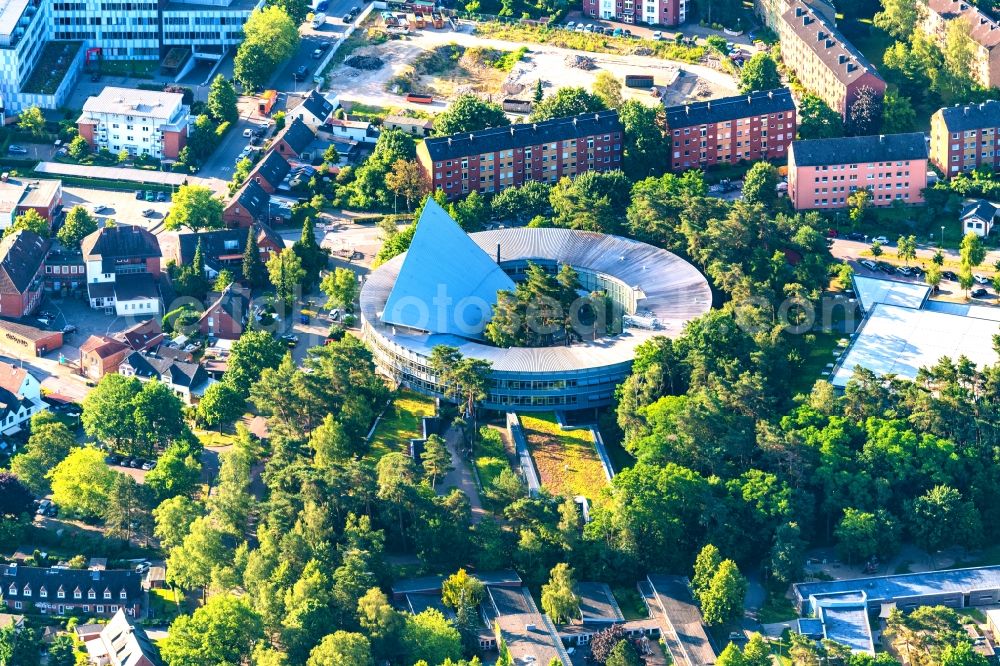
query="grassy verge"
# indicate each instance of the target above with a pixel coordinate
(820, 353)
(139, 69)
(215, 438)
(567, 460)
(613, 437)
(585, 41)
(400, 423)
(491, 456)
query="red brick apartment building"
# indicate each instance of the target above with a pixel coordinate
(757, 126)
(494, 159)
(660, 12)
(822, 58)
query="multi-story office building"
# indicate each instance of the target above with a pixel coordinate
(983, 30)
(822, 173)
(653, 12)
(493, 159)
(965, 137)
(120, 30)
(822, 58)
(143, 122)
(757, 126)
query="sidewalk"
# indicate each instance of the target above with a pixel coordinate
(461, 475)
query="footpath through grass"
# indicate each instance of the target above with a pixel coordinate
(567, 461)
(400, 423)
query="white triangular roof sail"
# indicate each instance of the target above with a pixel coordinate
(447, 284)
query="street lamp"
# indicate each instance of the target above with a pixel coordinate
(942, 236)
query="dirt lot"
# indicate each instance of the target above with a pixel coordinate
(682, 81)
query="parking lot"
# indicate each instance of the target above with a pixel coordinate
(122, 207)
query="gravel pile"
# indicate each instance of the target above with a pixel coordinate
(580, 62)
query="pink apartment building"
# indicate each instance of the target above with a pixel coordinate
(822, 173)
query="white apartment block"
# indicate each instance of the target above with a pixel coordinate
(143, 122)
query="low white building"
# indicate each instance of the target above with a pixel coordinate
(20, 398)
(313, 111)
(142, 122)
(977, 217)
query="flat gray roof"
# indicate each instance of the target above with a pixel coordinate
(112, 173)
(684, 618)
(597, 603)
(848, 625)
(900, 340)
(890, 588)
(891, 292)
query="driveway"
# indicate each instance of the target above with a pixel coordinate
(217, 170)
(461, 474)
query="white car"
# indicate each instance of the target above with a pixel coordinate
(881, 240)
(657, 36)
(247, 133)
(870, 265)
(981, 279)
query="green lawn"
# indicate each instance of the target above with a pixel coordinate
(490, 455)
(400, 423)
(819, 354)
(167, 604)
(567, 461)
(142, 69)
(612, 435)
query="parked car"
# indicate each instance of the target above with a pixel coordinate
(300, 73)
(161, 196)
(138, 195)
(142, 568)
(99, 208)
(949, 275)
(43, 506)
(886, 267)
(657, 35)
(147, 466)
(323, 6)
(903, 270)
(981, 279)
(869, 264)
(16, 150)
(247, 133)
(149, 212)
(979, 293)
(69, 328)
(855, 236)
(570, 25)
(290, 339)
(52, 511)
(150, 195)
(881, 240)
(317, 54)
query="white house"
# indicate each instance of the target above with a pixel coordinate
(351, 130)
(123, 269)
(978, 216)
(142, 122)
(313, 111)
(20, 398)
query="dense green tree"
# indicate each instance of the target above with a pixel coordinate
(204, 549)
(30, 220)
(731, 656)
(126, 512)
(608, 88)
(287, 274)
(406, 178)
(624, 654)
(972, 252)
(382, 623)
(220, 633)
(521, 204)
(941, 517)
(723, 600)
(78, 224)
(313, 257)
(593, 201)
(645, 151)
(15, 498)
(270, 37)
(50, 442)
(558, 598)
(62, 651)
(78, 148)
(195, 207)
(222, 403)
(468, 113)
(898, 115)
(368, 189)
(173, 519)
(760, 185)
(297, 10)
(760, 72)
(341, 288)
(817, 120)
(469, 212)
(31, 121)
(898, 17)
(82, 483)
(429, 636)
(435, 459)
(253, 271)
(342, 648)
(250, 356)
(567, 102)
(222, 100)
(177, 471)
